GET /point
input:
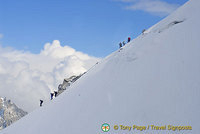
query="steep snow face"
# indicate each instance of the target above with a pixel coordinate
(153, 80)
(9, 113)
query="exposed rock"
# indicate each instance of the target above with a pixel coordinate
(9, 113)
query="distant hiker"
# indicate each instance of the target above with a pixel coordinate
(41, 101)
(120, 45)
(55, 92)
(51, 95)
(123, 43)
(143, 31)
(129, 39)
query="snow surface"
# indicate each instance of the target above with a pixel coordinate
(153, 80)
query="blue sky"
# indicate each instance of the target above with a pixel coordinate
(94, 27)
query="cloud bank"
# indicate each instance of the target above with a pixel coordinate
(25, 78)
(154, 7)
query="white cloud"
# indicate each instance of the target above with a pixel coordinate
(25, 78)
(154, 7)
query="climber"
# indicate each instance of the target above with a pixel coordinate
(55, 92)
(129, 39)
(51, 95)
(123, 43)
(143, 31)
(41, 101)
(120, 45)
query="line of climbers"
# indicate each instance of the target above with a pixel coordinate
(53, 94)
(72, 79)
(129, 39)
(66, 83)
(123, 43)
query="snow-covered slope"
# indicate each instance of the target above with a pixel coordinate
(153, 80)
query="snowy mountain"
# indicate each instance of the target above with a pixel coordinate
(9, 113)
(151, 85)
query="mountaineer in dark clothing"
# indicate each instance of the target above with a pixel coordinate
(55, 92)
(120, 45)
(123, 43)
(41, 101)
(129, 39)
(51, 95)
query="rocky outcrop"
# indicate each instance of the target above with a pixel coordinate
(9, 113)
(67, 82)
